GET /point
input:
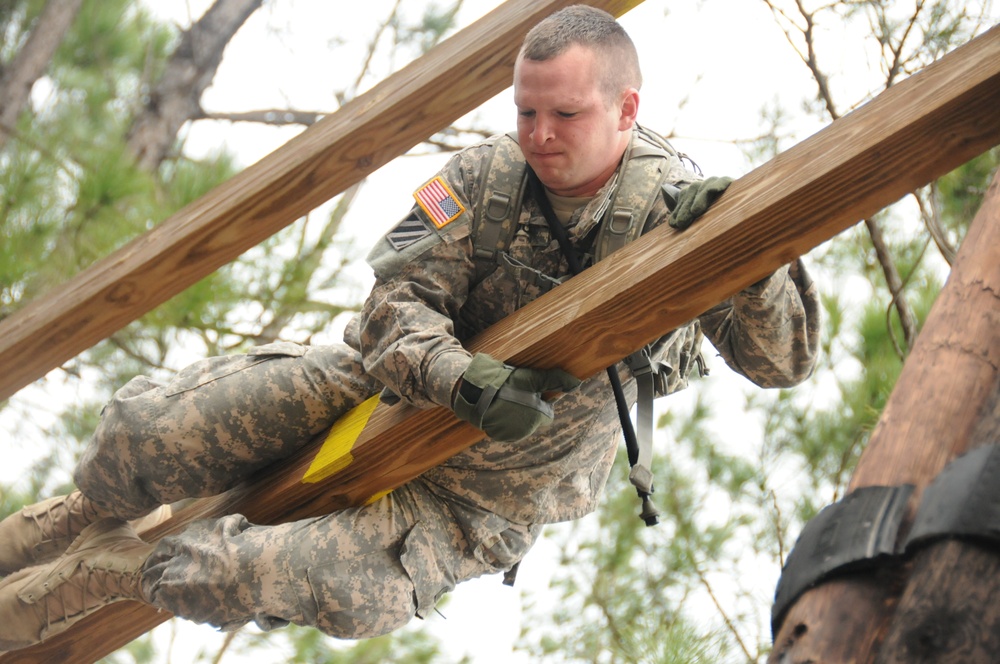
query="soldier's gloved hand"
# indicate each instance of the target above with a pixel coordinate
(695, 199)
(506, 402)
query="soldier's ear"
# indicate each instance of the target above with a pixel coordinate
(628, 109)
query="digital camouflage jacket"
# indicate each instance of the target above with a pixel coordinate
(428, 299)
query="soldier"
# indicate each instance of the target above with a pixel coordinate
(443, 274)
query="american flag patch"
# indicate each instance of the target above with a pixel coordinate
(436, 199)
(407, 232)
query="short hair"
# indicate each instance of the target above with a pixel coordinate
(595, 29)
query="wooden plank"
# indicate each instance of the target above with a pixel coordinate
(853, 168)
(323, 161)
(945, 402)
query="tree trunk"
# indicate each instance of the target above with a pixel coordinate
(33, 60)
(944, 404)
(177, 97)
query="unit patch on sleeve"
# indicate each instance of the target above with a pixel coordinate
(438, 201)
(407, 232)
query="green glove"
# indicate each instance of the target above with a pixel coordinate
(695, 199)
(506, 402)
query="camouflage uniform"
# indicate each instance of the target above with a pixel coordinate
(365, 571)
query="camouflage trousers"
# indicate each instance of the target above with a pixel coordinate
(356, 573)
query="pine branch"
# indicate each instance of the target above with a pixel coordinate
(190, 70)
(272, 116)
(907, 319)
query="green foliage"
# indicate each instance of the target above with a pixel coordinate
(419, 649)
(70, 194)
(435, 22)
(301, 645)
(70, 191)
(16, 18)
(142, 650)
(28, 227)
(961, 192)
(186, 180)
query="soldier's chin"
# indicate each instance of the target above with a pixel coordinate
(550, 177)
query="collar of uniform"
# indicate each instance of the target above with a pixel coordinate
(566, 206)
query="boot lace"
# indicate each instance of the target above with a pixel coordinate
(56, 522)
(88, 588)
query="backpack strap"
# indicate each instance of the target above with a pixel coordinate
(501, 192)
(647, 165)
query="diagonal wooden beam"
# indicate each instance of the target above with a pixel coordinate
(312, 168)
(917, 131)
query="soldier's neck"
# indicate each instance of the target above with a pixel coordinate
(565, 206)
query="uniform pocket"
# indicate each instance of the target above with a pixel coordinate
(431, 576)
(362, 597)
(213, 368)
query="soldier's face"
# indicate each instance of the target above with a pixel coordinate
(571, 134)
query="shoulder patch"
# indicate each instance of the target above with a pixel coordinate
(439, 203)
(407, 232)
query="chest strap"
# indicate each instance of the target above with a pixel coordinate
(641, 183)
(503, 185)
(501, 194)
(640, 450)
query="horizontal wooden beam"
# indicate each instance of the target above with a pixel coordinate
(917, 131)
(312, 168)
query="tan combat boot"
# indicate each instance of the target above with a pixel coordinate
(40, 533)
(103, 565)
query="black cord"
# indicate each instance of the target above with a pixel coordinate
(538, 191)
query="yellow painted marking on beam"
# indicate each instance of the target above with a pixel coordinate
(378, 496)
(335, 454)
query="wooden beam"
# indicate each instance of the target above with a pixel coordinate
(845, 173)
(323, 161)
(848, 171)
(945, 402)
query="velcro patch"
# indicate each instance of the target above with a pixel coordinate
(408, 231)
(437, 200)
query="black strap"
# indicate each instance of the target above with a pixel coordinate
(649, 514)
(963, 501)
(858, 532)
(862, 530)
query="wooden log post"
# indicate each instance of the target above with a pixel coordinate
(946, 401)
(950, 608)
